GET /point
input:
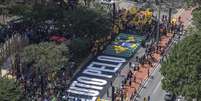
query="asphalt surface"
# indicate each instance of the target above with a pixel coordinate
(153, 88)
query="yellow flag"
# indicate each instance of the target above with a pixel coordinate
(174, 21)
(133, 10)
(145, 99)
(98, 99)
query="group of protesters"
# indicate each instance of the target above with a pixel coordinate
(39, 89)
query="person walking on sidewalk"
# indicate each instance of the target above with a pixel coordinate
(137, 59)
(138, 67)
(134, 78)
(148, 98)
(130, 74)
(130, 82)
(145, 99)
(130, 64)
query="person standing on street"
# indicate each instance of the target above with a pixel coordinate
(130, 64)
(148, 98)
(145, 99)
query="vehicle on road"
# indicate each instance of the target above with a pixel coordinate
(169, 96)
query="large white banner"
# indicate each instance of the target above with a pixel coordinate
(91, 81)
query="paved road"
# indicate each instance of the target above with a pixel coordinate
(153, 88)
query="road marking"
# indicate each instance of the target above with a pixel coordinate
(158, 85)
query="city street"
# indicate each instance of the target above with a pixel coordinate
(100, 50)
(153, 88)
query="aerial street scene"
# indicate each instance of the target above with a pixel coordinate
(100, 50)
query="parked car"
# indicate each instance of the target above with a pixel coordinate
(180, 98)
(169, 96)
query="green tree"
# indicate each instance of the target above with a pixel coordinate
(81, 21)
(80, 46)
(86, 22)
(44, 60)
(10, 90)
(193, 2)
(45, 56)
(180, 70)
(197, 18)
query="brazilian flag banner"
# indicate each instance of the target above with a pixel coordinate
(124, 45)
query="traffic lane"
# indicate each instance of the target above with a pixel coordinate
(153, 87)
(158, 94)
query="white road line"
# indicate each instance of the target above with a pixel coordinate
(158, 85)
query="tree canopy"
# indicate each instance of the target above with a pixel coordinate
(92, 23)
(197, 18)
(193, 2)
(42, 65)
(181, 69)
(45, 56)
(10, 90)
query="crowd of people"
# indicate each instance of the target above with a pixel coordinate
(40, 88)
(136, 21)
(174, 27)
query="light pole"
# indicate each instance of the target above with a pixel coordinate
(158, 20)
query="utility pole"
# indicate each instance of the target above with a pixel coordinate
(158, 20)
